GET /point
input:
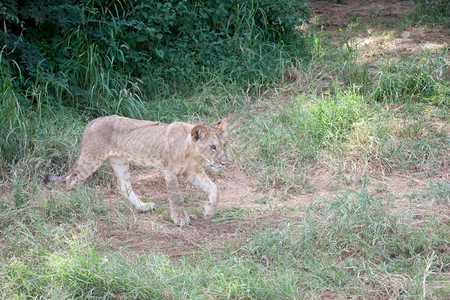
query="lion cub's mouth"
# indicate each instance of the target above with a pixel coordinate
(216, 168)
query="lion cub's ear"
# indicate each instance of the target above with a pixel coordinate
(198, 132)
(221, 125)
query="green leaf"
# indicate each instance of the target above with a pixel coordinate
(141, 38)
(160, 53)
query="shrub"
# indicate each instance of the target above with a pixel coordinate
(89, 49)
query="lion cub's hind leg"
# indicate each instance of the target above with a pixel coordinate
(121, 170)
(84, 167)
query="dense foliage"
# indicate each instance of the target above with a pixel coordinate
(165, 44)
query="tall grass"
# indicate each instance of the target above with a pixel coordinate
(423, 79)
(435, 12)
(13, 130)
(335, 65)
(283, 144)
(93, 80)
(28, 132)
(88, 72)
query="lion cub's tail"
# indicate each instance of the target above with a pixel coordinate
(52, 178)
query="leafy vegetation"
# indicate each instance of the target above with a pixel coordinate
(353, 119)
(420, 80)
(89, 51)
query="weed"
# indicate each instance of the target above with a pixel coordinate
(262, 200)
(351, 245)
(354, 230)
(229, 215)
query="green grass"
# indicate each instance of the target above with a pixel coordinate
(386, 126)
(422, 79)
(432, 13)
(435, 191)
(350, 245)
(281, 145)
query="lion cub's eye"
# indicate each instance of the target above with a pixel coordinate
(213, 147)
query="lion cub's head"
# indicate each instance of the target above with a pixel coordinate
(210, 143)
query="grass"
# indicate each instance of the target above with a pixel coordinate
(298, 133)
(337, 114)
(415, 79)
(350, 245)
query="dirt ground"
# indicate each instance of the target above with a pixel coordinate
(243, 208)
(374, 21)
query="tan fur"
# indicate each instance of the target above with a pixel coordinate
(179, 150)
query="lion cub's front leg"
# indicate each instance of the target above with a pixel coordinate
(177, 212)
(201, 180)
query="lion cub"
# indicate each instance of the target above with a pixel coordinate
(178, 149)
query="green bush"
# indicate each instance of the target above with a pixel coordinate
(93, 49)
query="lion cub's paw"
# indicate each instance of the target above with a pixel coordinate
(146, 207)
(209, 212)
(180, 218)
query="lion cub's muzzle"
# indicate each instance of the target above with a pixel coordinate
(217, 167)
